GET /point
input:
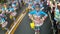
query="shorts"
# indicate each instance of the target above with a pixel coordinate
(37, 28)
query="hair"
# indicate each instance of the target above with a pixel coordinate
(41, 0)
(37, 5)
(58, 6)
(53, 3)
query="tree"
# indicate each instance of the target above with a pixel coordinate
(3, 1)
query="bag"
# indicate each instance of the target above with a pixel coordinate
(32, 25)
(11, 17)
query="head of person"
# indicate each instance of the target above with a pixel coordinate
(41, 0)
(10, 6)
(37, 7)
(12, 0)
(30, 3)
(5, 5)
(58, 6)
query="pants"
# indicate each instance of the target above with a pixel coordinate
(54, 23)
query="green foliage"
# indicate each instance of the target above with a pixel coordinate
(2, 1)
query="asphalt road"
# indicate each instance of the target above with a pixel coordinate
(24, 27)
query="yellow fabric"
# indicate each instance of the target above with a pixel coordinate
(32, 25)
(11, 17)
(27, 9)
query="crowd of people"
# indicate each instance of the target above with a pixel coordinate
(8, 10)
(39, 10)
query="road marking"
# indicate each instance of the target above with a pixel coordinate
(14, 27)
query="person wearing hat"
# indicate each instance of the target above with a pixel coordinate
(38, 17)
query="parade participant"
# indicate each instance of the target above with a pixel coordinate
(12, 13)
(30, 6)
(57, 13)
(14, 4)
(38, 17)
(57, 17)
(4, 8)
